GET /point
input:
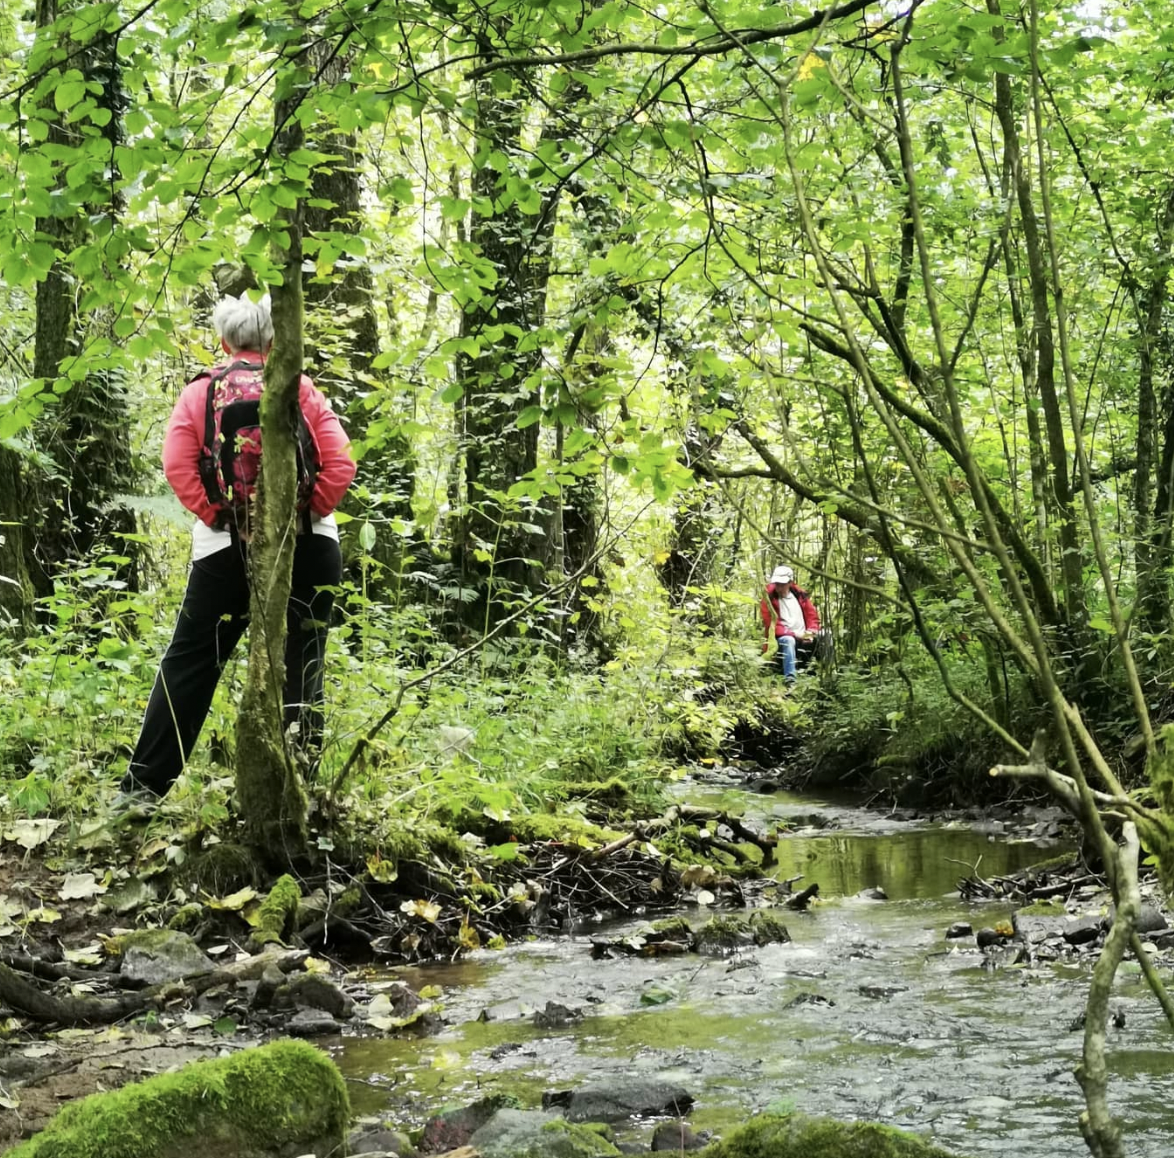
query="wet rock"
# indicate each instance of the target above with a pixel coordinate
(808, 999)
(311, 1023)
(1150, 920)
(764, 786)
(797, 1136)
(1082, 931)
(723, 935)
(959, 929)
(987, 937)
(534, 1134)
(767, 928)
(454, 1128)
(1003, 956)
(380, 1141)
(1040, 921)
(153, 956)
(555, 1015)
(504, 1050)
(873, 894)
(881, 992)
(620, 1098)
(676, 1136)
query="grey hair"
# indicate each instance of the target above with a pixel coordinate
(244, 324)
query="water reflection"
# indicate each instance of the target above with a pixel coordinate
(924, 862)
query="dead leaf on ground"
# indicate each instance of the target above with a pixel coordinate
(80, 886)
(31, 834)
(234, 902)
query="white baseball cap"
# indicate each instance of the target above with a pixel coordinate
(782, 575)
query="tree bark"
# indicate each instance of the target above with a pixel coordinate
(270, 794)
(87, 434)
(500, 546)
(342, 324)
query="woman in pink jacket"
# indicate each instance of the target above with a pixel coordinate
(215, 609)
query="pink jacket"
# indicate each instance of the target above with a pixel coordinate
(185, 441)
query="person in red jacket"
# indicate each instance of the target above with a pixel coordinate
(215, 610)
(788, 613)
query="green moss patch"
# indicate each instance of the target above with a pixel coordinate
(257, 1103)
(794, 1136)
(275, 918)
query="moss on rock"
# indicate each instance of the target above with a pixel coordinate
(673, 929)
(795, 1136)
(186, 917)
(722, 934)
(284, 1097)
(768, 928)
(275, 918)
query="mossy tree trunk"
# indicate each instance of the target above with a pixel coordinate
(342, 323)
(87, 434)
(270, 794)
(501, 549)
(16, 590)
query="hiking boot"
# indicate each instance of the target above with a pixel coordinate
(133, 806)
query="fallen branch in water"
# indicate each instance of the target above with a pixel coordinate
(800, 901)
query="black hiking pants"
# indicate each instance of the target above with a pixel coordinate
(214, 615)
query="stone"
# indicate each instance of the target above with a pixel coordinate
(723, 934)
(380, 1141)
(155, 956)
(797, 1136)
(453, 1128)
(1082, 931)
(987, 937)
(808, 999)
(676, 1136)
(1150, 919)
(881, 992)
(554, 1015)
(312, 1023)
(1040, 921)
(273, 1101)
(873, 895)
(959, 929)
(535, 1134)
(621, 1098)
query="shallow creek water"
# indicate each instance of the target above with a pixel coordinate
(979, 1059)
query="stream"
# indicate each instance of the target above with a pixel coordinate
(892, 1024)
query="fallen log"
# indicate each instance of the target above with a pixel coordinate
(24, 998)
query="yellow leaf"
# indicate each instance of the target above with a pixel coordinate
(429, 910)
(810, 63)
(316, 965)
(430, 992)
(43, 915)
(234, 902)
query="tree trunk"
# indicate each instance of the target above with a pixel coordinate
(270, 795)
(16, 589)
(500, 545)
(341, 324)
(87, 435)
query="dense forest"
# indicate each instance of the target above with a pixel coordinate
(622, 307)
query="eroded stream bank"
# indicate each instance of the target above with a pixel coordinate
(867, 1013)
